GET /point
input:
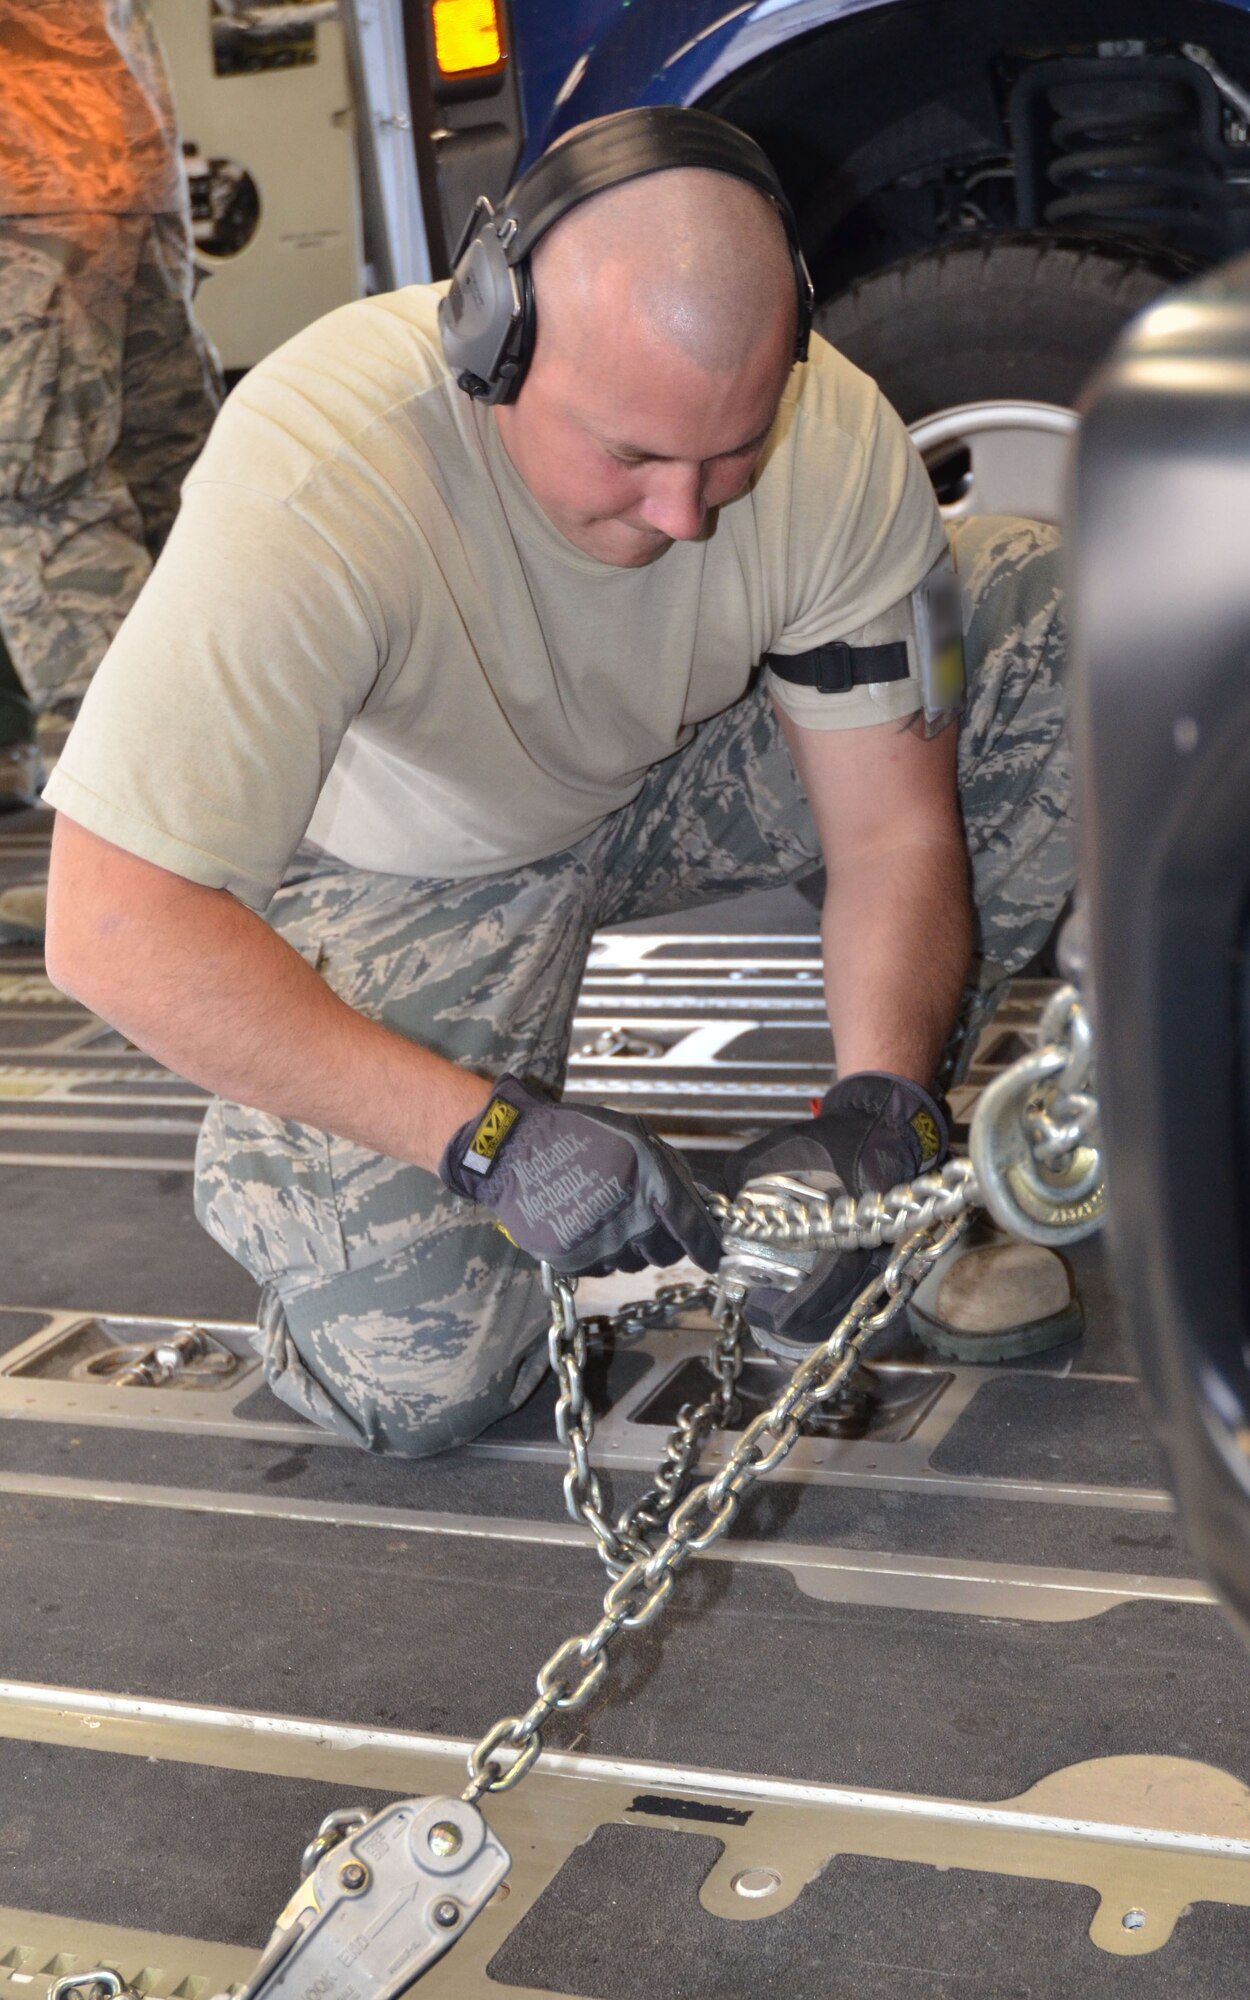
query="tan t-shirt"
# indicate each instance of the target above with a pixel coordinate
(363, 626)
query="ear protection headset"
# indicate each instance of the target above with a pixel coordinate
(487, 319)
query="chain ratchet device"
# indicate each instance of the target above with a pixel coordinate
(385, 1895)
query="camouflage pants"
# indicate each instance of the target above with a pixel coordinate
(400, 1316)
(107, 391)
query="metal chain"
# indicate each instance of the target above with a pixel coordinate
(575, 1421)
(621, 1542)
(694, 1423)
(1034, 1136)
(577, 1668)
(1056, 1123)
(101, 1984)
(791, 1217)
(1065, 1117)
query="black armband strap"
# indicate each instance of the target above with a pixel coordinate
(837, 667)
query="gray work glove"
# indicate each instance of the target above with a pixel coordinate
(589, 1190)
(872, 1131)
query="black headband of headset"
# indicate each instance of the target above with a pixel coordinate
(623, 147)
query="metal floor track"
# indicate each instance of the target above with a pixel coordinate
(950, 1714)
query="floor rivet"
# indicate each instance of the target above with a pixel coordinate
(755, 1882)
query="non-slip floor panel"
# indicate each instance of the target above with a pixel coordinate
(1068, 1430)
(469, 1482)
(866, 1929)
(181, 1848)
(454, 1484)
(114, 1241)
(23, 1032)
(17, 871)
(156, 1149)
(744, 1671)
(932, 1523)
(16, 1327)
(261, 1406)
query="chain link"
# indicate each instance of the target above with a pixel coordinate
(1064, 1117)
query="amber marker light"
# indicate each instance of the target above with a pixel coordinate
(467, 36)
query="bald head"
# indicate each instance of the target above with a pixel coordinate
(685, 258)
(665, 313)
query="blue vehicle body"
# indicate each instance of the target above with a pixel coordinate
(580, 58)
(578, 62)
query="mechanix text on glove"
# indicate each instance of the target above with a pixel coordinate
(587, 1189)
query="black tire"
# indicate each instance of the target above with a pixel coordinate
(998, 316)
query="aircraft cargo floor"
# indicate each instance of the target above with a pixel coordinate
(950, 1713)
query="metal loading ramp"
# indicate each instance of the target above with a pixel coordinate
(949, 1714)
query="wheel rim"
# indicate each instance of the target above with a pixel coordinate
(998, 457)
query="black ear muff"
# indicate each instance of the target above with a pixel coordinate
(481, 317)
(486, 321)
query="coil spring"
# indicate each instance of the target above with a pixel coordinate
(1129, 156)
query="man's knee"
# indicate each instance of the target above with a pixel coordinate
(400, 1419)
(398, 1359)
(1015, 643)
(1010, 578)
(993, 552)
(1015, 760)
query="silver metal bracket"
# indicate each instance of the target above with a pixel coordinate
(383, 1904)
(749, 1260)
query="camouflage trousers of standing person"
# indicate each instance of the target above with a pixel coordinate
(396, 1314)
(107, 392)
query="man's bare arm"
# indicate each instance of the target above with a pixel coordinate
(205, 986)
(896, 924)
